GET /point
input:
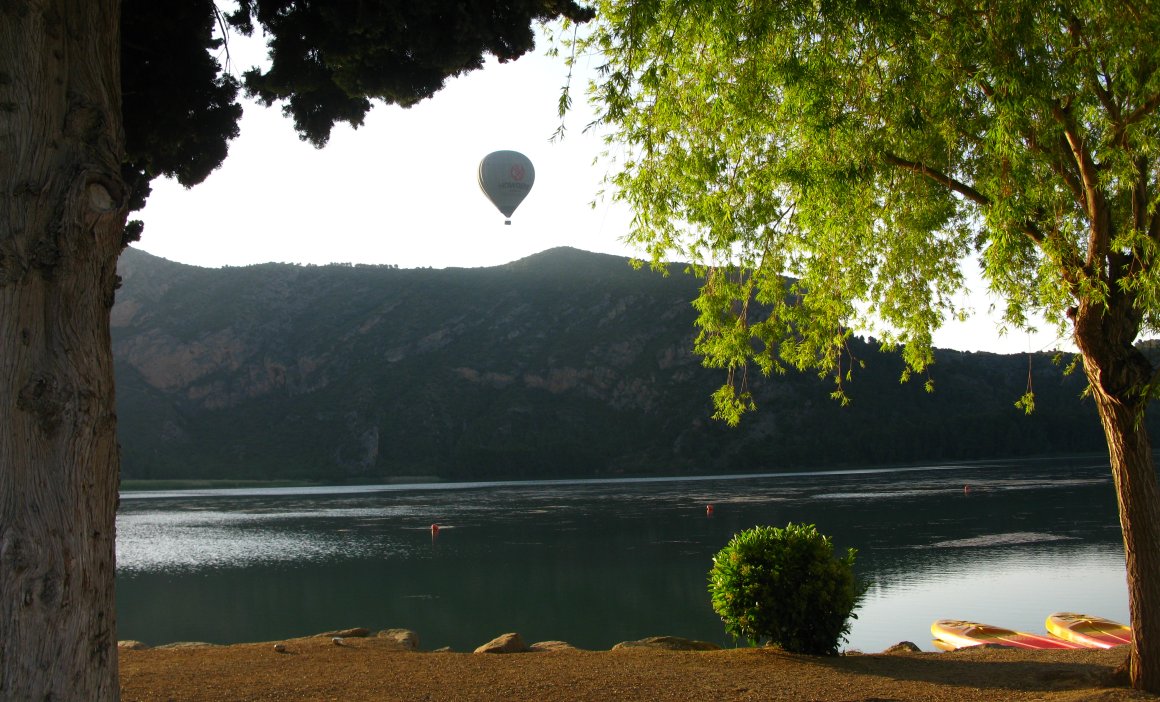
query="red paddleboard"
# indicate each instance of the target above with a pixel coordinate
(960, 634)
(1089, 631)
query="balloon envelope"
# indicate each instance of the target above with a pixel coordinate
(506, 177)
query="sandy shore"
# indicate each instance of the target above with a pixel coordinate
(372, 669)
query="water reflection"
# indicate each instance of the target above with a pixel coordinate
(596, 562)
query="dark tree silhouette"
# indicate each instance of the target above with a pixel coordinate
(97, 98)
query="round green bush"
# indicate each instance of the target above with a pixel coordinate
(785, 586)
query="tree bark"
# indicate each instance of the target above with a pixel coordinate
(1136, 491)
(1117, 374)
(64, 208)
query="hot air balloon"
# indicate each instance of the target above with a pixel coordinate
(506, 177)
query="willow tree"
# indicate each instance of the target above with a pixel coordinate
(831, 165)
(97, 98)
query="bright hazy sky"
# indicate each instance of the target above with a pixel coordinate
(402, 189)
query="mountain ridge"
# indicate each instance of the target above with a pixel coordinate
(561, 364)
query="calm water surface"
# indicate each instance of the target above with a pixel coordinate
(598, 562)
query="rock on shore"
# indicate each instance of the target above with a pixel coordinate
(512, 642)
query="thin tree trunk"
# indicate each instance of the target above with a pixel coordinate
(60, 234)
(1118, 375)
(1138, 495)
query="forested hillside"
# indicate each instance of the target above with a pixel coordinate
(565, 363)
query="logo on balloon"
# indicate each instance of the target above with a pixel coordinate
(517, 172)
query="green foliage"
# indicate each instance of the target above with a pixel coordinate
(1026, 402)
(839, 161)
(787, 587)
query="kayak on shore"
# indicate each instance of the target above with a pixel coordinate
(952, 634)
(1088, 630)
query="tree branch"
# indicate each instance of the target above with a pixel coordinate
(938, 177)
(1055, 159)
(1140, 194)
(1140, 112)
(1154, 225)
(1029, 228)
(1099, 238)
(1104, 94)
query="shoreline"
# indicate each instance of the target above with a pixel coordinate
(361, 669)
(131, 487)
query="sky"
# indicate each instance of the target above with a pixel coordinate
(402, 189)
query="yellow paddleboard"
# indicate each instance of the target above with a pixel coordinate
(961, 634)
(943, 645)
(1089, 631)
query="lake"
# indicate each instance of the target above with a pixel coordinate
(598, 562)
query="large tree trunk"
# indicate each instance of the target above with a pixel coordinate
(1117, 374)
(60, 234)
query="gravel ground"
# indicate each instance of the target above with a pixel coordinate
(367, 669)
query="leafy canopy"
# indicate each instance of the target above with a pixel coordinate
(828, 165)
(328, 62)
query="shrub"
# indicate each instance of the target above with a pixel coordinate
(787, 587)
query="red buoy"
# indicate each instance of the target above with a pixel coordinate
(434, 528)
(708, 509)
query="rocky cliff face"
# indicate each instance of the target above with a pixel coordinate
(565, 363)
